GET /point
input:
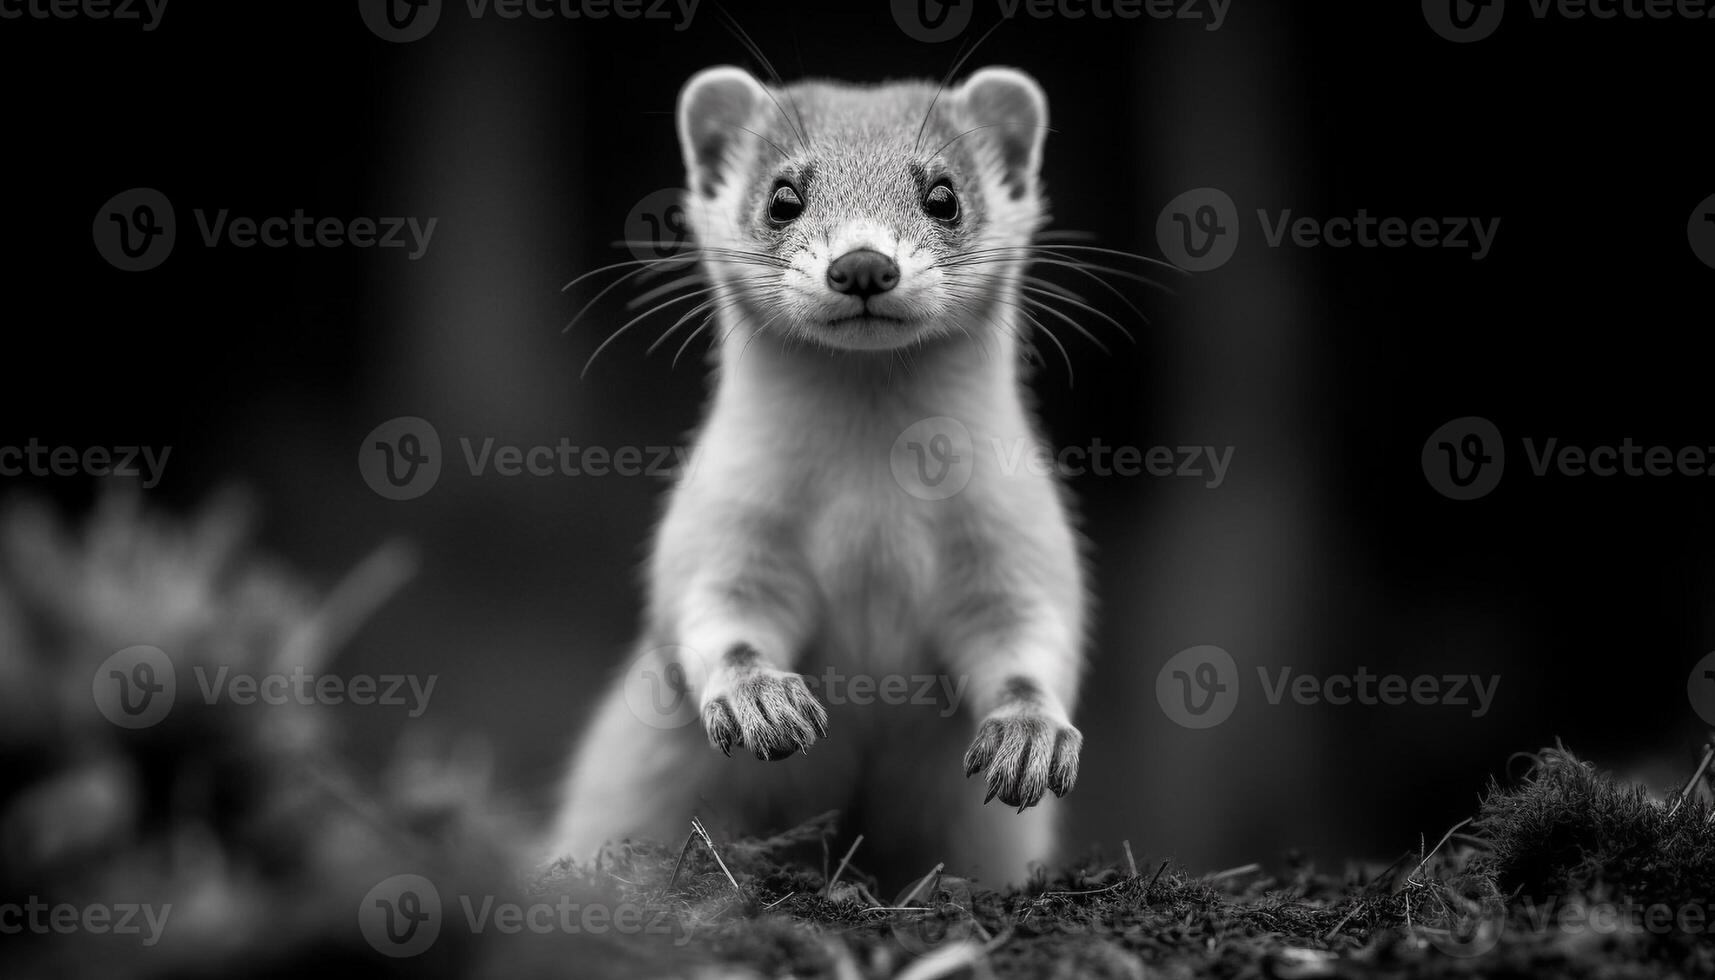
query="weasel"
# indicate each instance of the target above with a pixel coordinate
(864, 246)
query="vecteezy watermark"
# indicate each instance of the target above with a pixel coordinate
(943, 692)
(401, 916)
(1199, 688)
(1575, 915)
(1466, 917)
(1700, 689)
(148, 13)
(1700, 231)
(136, 230)
(138, 686)
(1471, 916)
(946, 915)
(35, 459)
(404, 915)
(935, 458)
(403, 21)
(1463, 21)
(400, 21)
(656, 227)
(401, 459)
(1464, 459)
(661, 685)
(1199, 231)
(933, 21)
(96, 919)
(1473, 691)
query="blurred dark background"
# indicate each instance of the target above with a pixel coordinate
(1325, 550)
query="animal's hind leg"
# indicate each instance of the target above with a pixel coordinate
(627, 778)
(644, 767)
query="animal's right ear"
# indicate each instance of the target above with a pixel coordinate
(714, 107)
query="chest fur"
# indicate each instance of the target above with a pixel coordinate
(874, 554)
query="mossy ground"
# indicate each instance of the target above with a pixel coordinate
(1567, 874)
(270, 850)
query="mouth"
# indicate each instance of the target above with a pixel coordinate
(866, 319)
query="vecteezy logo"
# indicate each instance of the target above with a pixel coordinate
(1462, 21)
(1700, 688)
(932, 21)
(134, 230)
(1198, 230)
(401, 459)
(661, 686)
(135, 687)
(1469, 919)
(400, 21)
(656, 227)
(1701, 231)
(946, 915)
(401, 916)
(933, 459)
(1199, 687)
(1464, 459)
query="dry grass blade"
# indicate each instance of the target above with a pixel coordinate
(708, 842)
(1696, 778)
(829, 890)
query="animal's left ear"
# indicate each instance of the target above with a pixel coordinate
(1013, 112)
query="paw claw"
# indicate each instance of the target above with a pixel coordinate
(771, 712)
(1027, 754)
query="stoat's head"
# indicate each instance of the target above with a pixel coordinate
(864, 217)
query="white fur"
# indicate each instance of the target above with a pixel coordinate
(792, 537)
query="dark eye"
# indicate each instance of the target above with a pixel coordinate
(785, 205)
(941, 203)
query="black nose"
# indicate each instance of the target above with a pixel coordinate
(863, 272)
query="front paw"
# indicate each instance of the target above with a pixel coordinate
(769, 711)
(1027, 753)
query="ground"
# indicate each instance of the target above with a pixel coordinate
(262, 855)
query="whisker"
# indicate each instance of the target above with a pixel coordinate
(622, 265)
(946, 80)
(1026, 312)
(690, 337)
(999, 257)
(1068, 296)
(664, 289)
(610, 287)
(1066, 234)
(1075, 325)
(1071, 377)
(687, 252)
(1121, 254)
(1082, 269)
(710, 304)
(942, 148)
(732, 25)
(639, 318)
(777, 147)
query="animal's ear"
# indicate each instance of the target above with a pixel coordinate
(714, 106)
(1013, 112)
